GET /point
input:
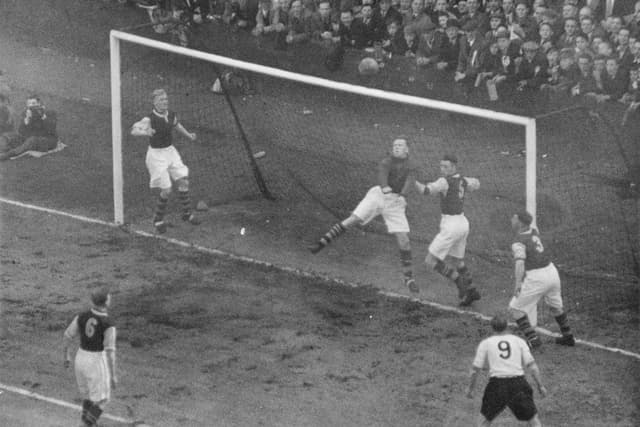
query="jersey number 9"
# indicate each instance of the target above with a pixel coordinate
(505, 349)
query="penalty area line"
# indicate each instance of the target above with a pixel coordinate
(303, 273)
(58, 402)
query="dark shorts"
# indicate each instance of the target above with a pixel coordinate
(515, 393)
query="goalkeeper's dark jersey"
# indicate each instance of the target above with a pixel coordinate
(394, 172)
(528, 247)
(163, 126)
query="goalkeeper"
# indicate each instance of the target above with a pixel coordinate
(396, 174)
(163, 160)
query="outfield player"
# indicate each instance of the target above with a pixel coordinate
(163, 160)
(396, 173)
(535, 277)
(95, 362)
(446, 252)
(506, 356)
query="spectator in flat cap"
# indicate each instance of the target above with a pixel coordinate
(412, 41)
(450, 47)
(531, 69)
(418, 18)
(469, 60)
(496, 20)
(429, 47)
(479, 19)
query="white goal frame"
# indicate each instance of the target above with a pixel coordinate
(117, 37)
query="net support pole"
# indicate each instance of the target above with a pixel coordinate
(531, 164)
(116, 130)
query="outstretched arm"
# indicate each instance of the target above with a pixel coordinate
(185, 133)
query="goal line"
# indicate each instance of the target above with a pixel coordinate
(296, 271)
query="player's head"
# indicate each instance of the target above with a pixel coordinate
(449, 164)
(499, 322)
(160, 100)
(101, 298)
(33, 101)
(400, 148)
(520, 220)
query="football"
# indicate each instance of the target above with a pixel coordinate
(368, 66)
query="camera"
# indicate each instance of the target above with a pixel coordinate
(36, 112)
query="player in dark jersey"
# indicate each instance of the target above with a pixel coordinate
(396, 174)
(446, 251)
(163, 160)
(95, 361)
(535, 277)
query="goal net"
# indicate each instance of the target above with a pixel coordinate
(313, 145)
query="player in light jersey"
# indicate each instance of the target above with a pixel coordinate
(535, 277)
(163, 160)
(446, 252)
(506, 356)
(396, 174)
(95, 362)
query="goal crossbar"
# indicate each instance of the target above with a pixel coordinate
(115, 37)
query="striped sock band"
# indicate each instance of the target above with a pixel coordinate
(185, 201)
(563, 322)
(445, 270)
(161, 209)
(525, 327)
(335, 231)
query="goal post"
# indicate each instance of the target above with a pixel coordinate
(117, 37)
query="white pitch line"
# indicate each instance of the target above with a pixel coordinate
(59, 402)
(302, 273)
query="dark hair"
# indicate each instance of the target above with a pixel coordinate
(450, 158)
(499, 322)
(99, 297)
(34, 96)
(525, 217)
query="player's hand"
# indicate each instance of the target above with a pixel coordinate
(114, 383)
(543, 391)
(386, 190)
(151, 131)
(192, 136)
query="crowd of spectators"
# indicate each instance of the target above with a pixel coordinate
(588, 48)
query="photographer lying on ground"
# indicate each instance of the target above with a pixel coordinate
(36, 131)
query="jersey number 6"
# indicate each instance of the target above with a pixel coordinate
(90, 327)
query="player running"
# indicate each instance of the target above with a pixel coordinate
(95, 362)
(163, 160)
(535, 277)
(446, 251)
(506, 356)
(396, 174)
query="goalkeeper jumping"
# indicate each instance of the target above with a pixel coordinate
(396, 175)
(163, 160)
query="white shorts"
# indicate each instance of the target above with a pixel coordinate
(92, 375)
(539, 283)
(164, 166)
(391, 206)
(452, 238)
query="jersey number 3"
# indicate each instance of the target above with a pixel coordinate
(505, 349)
(90, 327)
